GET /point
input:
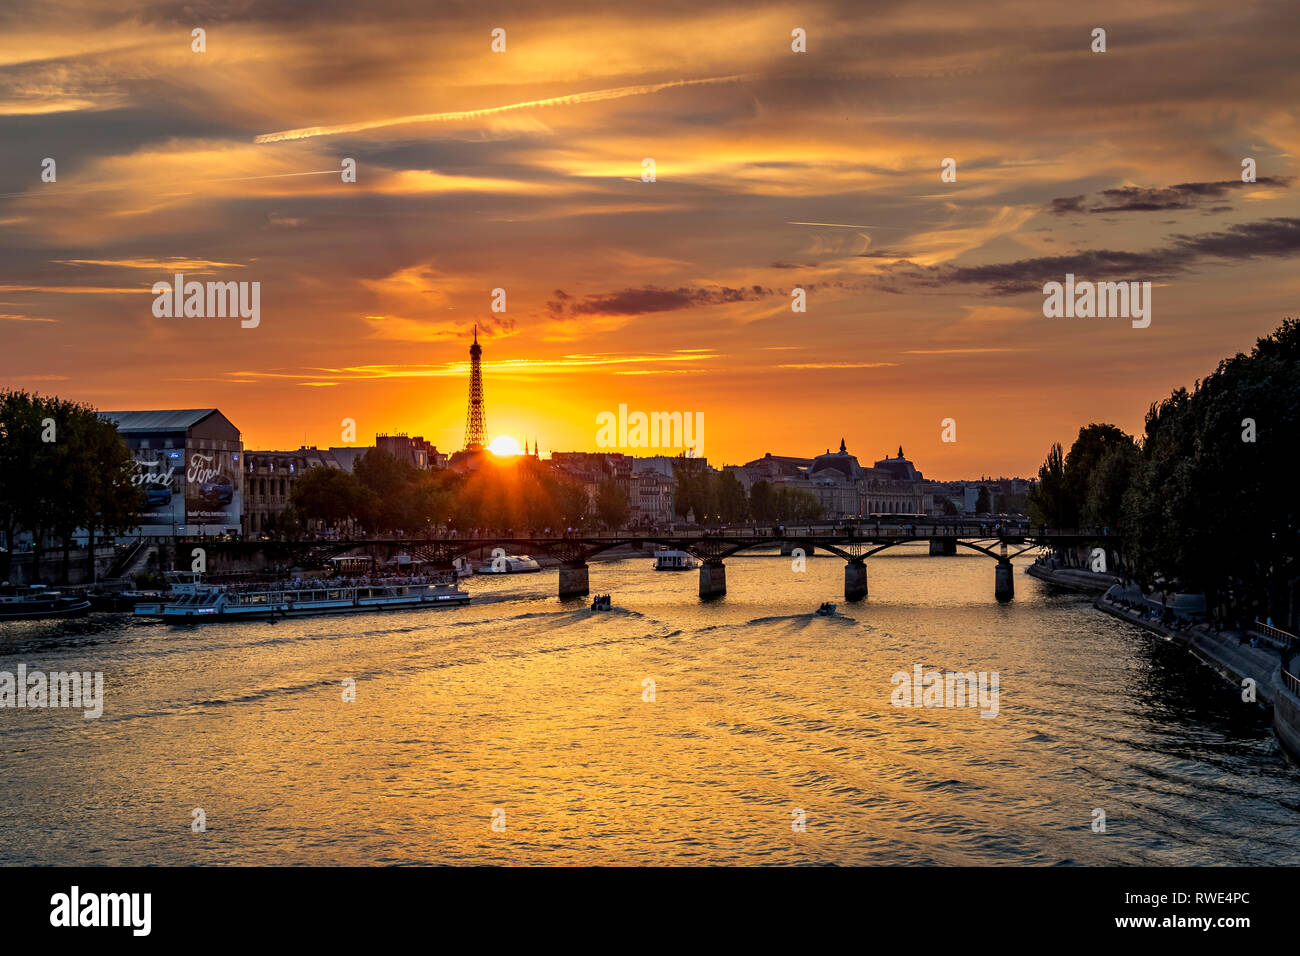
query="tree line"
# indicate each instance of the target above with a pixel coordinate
(62, 468)
(384, 494)
(1203, 497)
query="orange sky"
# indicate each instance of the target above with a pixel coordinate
(522, 170)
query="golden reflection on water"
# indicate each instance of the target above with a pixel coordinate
(534, 708)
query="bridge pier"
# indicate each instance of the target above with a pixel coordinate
(855, 580)
(573, 580)
(1004, 584)
(713, 579)
(943, 546)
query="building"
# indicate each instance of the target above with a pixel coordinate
(269, 478)
(895, 486)
(188, 463)
(843, 486)
(836, 479)
(415, 451)
(651, 501)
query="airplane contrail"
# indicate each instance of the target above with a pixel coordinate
(839, 225)
(593, 96)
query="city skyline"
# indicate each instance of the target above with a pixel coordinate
(489, 179)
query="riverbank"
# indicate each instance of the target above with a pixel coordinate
(1228, 652)
(1235, 655)
(1077, 579)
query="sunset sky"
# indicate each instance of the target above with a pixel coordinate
(522, 170)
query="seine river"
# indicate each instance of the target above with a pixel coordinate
(531, 709)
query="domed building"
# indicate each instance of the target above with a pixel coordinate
(895, 486)
(845, 489)
(840, 462)
(835, 479)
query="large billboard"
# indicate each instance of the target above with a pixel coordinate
(160, 473)
(212, 488)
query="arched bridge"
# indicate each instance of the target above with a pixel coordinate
(854, 542)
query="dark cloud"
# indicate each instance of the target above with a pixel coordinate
(649, 299)
(1267, 238)
(1156, 198)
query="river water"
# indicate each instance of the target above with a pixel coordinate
(534, 710)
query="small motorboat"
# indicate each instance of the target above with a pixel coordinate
(602, 602)
(827, 609)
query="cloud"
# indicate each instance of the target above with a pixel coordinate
(1156, 198)
(1267, 238)
(649, 299)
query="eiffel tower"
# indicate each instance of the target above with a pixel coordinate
(475, 431)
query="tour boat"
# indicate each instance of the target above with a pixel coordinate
(37, 601)
(274, 601)
(509, 564)
(667, 559)
(181, 583)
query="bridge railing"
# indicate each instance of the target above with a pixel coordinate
(1291, 682)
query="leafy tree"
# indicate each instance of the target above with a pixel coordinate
(611, 504)
(983, 501)
(729, 495)
(797, 504)
(693, 489)
(332, 496)
(762, 501)
(62, 468)
(1048, 503)
(397, 501)
(1094, 444)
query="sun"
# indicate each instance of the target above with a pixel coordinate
(504, 445)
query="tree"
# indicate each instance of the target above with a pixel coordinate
(611, 504)
(61, 468)
(693, 489)
(332, 496)
(1093, 446)
(729, 497)
(1047, 499)
(397, 501)
(797, 504)
(762, 501)
(983, 501)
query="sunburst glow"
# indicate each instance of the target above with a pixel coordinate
(504, 445)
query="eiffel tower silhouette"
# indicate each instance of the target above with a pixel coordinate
(475, 431)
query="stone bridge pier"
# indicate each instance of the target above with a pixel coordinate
(573, 579)
(855, 580)
(1004, 583)
(713, 579)
(943, 546)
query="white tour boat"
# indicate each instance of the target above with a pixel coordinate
(668, 559)
(194, 603)
(509, 564)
